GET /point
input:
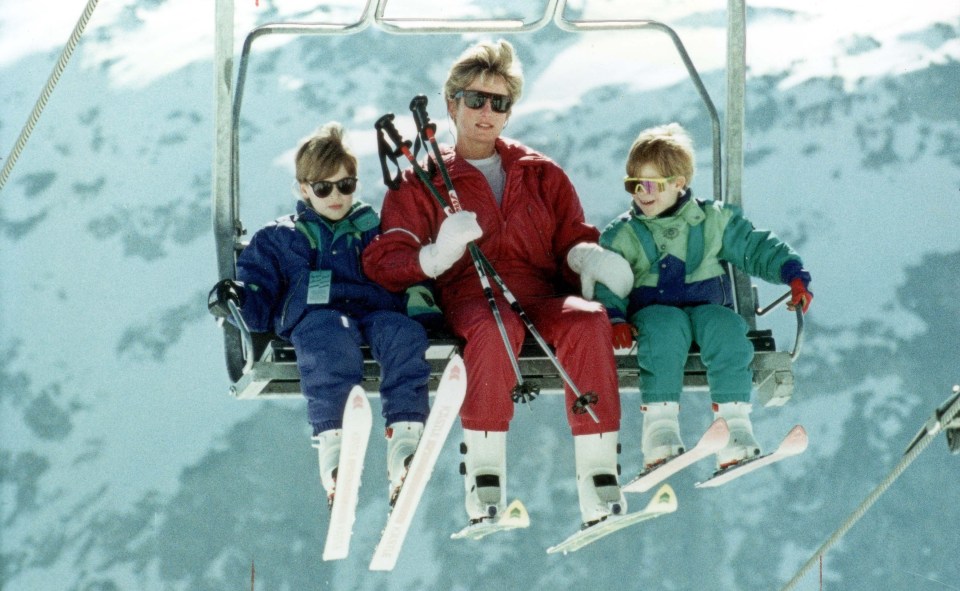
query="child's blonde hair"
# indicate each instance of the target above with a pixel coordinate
(320, 155)
(668, 147)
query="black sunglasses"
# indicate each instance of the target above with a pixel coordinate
(346, 186)
(500, 103)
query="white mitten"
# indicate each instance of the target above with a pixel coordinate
(455, 233)
(594, 263)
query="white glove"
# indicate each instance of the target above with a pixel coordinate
(594, 263)
(455, 232)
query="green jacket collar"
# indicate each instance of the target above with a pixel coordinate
(689, 211)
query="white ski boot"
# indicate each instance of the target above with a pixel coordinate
(402, 440)
(484, 469)
(328, 448)
(597, 470)
(661, 433)
(742, 445)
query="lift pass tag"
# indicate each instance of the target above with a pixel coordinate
(318, 290)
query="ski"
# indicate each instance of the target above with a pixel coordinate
(443, 413)
(515, 516)
(793, 444)
(357, 422)
(663, 502)
(712, 441)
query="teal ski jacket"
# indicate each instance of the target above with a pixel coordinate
(677, 259)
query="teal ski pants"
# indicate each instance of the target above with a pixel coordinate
(665, 334)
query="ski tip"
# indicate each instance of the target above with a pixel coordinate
(334, 555)
(516, 514)
(719, 424)
(663, 501)
(796, 441)
(357, 399)
(455, 372)
(717, 435)
(382, 565)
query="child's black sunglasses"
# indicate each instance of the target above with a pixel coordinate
(346, 186)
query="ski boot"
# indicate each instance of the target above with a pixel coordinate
(742, 445)
(328, 448)
(484, 468)
(661, 433)
(402, 440)
(597, 470)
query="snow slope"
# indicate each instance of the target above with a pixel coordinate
(124, 464)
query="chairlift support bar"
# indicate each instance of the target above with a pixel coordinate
(269, 375)
(424, 26)
(624, 25)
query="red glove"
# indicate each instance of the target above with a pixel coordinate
(622, 335)
(799, 295)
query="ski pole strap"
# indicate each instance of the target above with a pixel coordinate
(386, 153)
(385, 125)
(418, 106)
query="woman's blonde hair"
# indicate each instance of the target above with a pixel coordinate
(482, 60)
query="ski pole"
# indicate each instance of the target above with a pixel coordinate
(428, 130)
(522, 392)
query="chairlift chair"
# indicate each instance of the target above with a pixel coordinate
(264, 366)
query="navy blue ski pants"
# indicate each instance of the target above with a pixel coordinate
(331, 364)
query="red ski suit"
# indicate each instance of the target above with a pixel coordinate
(526, 239)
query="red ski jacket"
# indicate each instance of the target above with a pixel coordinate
(526, 238)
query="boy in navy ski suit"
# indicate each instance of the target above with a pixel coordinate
(301, 278)
(681, 293)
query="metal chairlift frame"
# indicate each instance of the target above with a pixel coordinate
(261, 366)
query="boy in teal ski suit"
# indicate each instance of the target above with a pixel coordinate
(681, 293)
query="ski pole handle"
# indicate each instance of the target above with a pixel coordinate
(427, 130)
(385, 124)
(418, 106)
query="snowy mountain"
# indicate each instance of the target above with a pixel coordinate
(124, 464)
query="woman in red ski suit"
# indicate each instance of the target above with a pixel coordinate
(524, 215)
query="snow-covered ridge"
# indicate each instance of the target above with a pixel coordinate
(123, 461)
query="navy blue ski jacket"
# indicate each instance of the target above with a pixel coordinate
(286, 256)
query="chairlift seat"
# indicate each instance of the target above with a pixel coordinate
(274, 374)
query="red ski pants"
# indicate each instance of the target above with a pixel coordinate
(578, 330)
